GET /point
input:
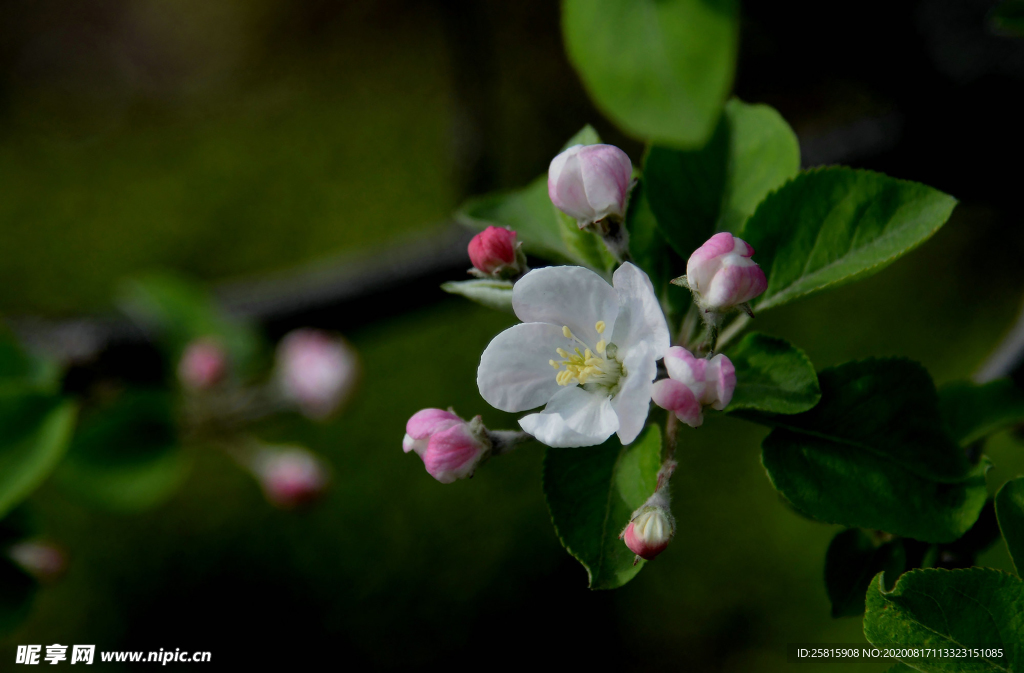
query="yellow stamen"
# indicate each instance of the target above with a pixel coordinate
(587, 355)
(562, 352)
(601, 345)
(553, 364)
(599, 327)
(566, 332)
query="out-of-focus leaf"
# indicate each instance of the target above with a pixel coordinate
(973, 412)
(496, 294)
(772, 375)
(660, 69)
(125, 456)
(1010, 513)
(950, 609)
(873, 454)
(853, 558)
(17, 525)
(19, 366)
(695, 193)
(179, 312)
(830, 226)
(34, 431)
(1008, 17)
(592, 491)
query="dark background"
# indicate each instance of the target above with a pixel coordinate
(238, 140)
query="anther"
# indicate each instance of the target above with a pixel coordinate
(566, 332)
(599, 326)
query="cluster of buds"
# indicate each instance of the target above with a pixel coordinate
(203, 364)
(316, 371)
(694, 384)
(43, 560)
(289, 476)
(495, 253)
(591, 183)
(652, 525)
(722, 276)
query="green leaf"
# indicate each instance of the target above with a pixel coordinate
(17, 591)
(180, 311)
(853, 558)
(17, 365)
(969, 608)
(976, 411)
(716, 188)
(830, 226)
(543, 230)
(34, 431)
(1008, 18)
(772, 375)
(496, 294)
(660, 69)
(872, 454)
(125, 456)
(591, 492)
(1010, 513)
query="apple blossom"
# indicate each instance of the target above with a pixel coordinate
(607, 339)
(316, 371)
(290, 476)
(495, 253)
(651, 527)
(590, 182)
(722, 275)
(450, 447)
(203, 364)
(693, 384)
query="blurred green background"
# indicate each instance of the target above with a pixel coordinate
(228, 140)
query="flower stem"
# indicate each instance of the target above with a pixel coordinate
(504, 441)
(734, 328)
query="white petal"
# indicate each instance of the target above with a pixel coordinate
(633, 402)
(573, 417)
(641, 319)
(514, 374)
(566, 295)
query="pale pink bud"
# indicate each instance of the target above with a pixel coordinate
(649, 532)
(722, 275)
(590, 182)
(693, 384)
(316, 370)
(44, 561)
(494, 252)
(290, 477)
(450, 447)
(203, 364)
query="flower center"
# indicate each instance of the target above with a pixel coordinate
(597, 368)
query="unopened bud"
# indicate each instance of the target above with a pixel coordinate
(290, 476)
(45, 561)
(495, 253)
(316, 370)
(693, 384)
(450, 447)
(722, 275)
(203, 364)
(649, 532)
(590, 182)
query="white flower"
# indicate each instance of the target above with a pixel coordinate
(602, 342)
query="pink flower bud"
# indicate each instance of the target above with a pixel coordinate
(46, 562)
(693, 384)
(649, 532)
(590, 182)
(203, 364)
(290, 477)
(316, 370)
(494, 252)
(722, 275)
(450, 447)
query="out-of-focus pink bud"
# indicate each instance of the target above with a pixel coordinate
(450, 447)
(694, 383)
(291, 476)
(45, 561)
(590, 182)
(316, 370)
(495, 253)
(203, 364)
(651, 528)
(722, 275)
